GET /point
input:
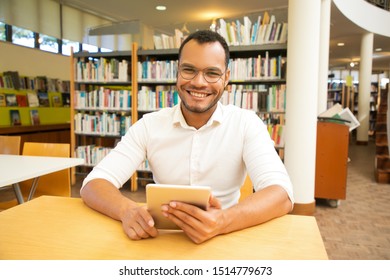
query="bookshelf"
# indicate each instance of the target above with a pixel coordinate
(374, 96)
(152, 79)
(21, 95)
(262, 87)
(259, 87)
(101, 103)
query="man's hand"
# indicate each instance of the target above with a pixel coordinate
(199, 225)
(138, 223)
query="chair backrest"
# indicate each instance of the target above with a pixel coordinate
(57, 183)
(10, 144)
(246, 188)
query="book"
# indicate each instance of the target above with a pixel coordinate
(43, 99)
(56, 101)
(21, 100)
(34, 116)
(32, 99)
(65, 99)
(14, 79)
(10, 100)
(2, 100)
(15, 117)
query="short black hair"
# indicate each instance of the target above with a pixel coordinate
(207, 36)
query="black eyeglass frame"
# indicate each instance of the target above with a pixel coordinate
(196, 72)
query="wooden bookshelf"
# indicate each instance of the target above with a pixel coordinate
(102, 102)
(136, 58)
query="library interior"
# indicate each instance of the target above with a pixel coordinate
(76, 75)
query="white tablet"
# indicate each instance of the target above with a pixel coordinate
(159, 194)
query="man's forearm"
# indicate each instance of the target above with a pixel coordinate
(258, 208)
(102, 196)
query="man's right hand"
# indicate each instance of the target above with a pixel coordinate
(138, 223)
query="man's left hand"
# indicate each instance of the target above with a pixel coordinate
(199, 225)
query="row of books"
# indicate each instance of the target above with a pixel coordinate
(242, 69)
(276, 131)
(12, 80)
(157, 70)
(272, 118)
(102, 70)
(164, 41)
(256, 68)
(101, 123)
(103, 98)
(34, 99)
(256, 97)
(92, 154)
(161, 97)
(265, 30)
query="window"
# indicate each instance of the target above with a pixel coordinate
(48, 43)
(23, 37)
(66, 45)
(3, 36)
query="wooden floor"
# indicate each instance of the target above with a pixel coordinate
(359, 228)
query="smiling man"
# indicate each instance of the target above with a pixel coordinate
(198, 142)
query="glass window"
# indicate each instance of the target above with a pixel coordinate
(2, 31)
(23, 37)
(66, 45)
(48, 43)
(90, 48)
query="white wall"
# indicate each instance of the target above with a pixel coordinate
(33, 62)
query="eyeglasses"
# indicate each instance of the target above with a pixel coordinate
(211, 75)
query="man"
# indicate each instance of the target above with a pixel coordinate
(198, 142)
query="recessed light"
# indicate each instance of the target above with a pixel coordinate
(340, 44)
(161, 8)
(378, 49)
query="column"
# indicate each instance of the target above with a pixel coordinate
(301, 105)
(365, 70)
(324, 56)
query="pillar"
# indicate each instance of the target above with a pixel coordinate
(324, 56)
(301, 102)
(365, 70)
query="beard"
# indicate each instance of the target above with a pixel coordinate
(201, 106)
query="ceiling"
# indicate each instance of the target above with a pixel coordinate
(198, 15)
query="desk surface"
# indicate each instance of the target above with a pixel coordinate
(17, 168)
(65, 228)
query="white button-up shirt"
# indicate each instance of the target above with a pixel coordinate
(234, 142)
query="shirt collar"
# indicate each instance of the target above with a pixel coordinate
(216, 117)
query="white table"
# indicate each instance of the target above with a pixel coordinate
(18, 168)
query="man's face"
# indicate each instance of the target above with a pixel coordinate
(197, 94)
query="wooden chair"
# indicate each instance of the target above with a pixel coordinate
(246, 189)
(56, 183)
(10, 145)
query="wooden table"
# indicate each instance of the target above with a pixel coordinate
(65, 228)
(18, 168)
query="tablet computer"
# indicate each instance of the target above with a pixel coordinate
(159, 194)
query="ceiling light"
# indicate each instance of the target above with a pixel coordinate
(340, 44)
(161, 8)
(352, 64)
(378, 49)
